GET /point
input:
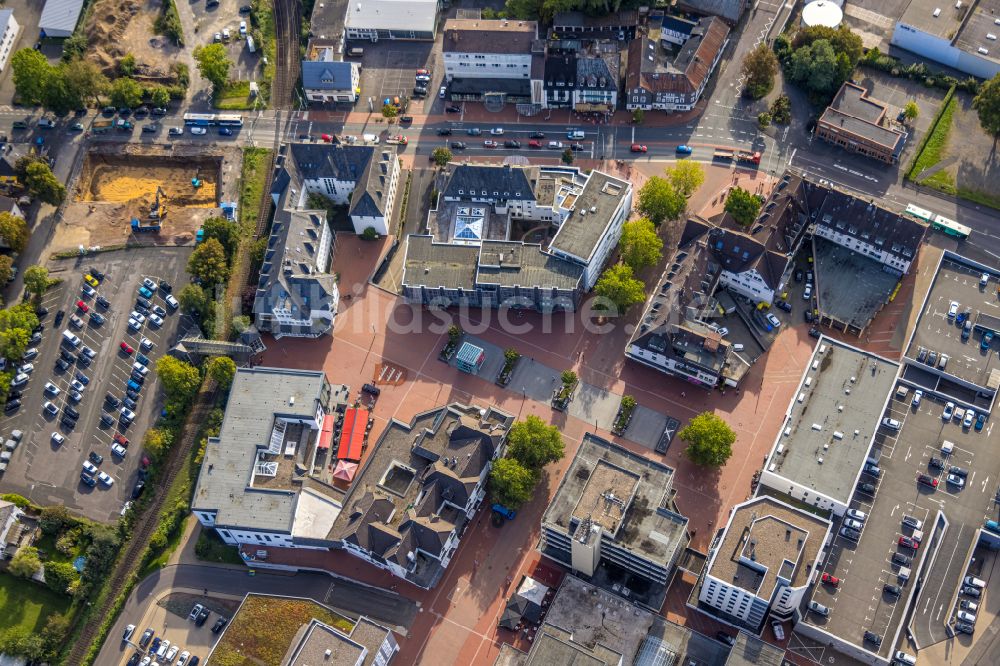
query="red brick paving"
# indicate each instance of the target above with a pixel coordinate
(457, 624)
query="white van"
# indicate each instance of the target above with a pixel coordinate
(575, 134)
(370, 138)
(738, 347)
(975, 582)
(947, 447)
(250, 45)
(70, 338)
(905, 659)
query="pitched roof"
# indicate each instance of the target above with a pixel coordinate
(731, 10)
(60, 15)
(508, 182)
(318, 75)
(650, 68)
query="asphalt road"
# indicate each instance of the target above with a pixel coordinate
(344, 595)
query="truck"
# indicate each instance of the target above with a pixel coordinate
(738, 155)
(101, 126)
(123, 125)
(139, 226)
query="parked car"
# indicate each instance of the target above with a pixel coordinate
(965, 628)
(892, 590)
(819, 608)
(949, 410)
(827, 579)
(857, 515)
(912, 522)
(849, 533)
(927, 480)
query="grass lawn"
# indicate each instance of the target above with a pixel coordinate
(211, 548)
(264, 627)
(936, 143)
(27, 604)
(256, 162)
(236, 97)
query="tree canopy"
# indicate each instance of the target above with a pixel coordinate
(619, 287)
(640, 245)
(192, 298)
(441, 156)
(16, 324)
(659, 200)
(686, 176)
(742, 205)
(759, 67)
(180, 380)
(25, 563)
(224, 231)
(823, 58)
(36, 280)
(534, 444)
(709, 439)
(511, 483)
(987, 106)
(208, 262)
(6, 268)
(126, 92)
(31, 74)
(157, 441)
(14, 231)
(911, 110)
(214, 63)
(222, 369)
(43, 184)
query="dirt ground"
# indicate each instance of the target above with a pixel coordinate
(115, 186)
(118, 27)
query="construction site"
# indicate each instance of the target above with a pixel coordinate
(146, 195)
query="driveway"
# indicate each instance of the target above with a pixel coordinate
(342, 594)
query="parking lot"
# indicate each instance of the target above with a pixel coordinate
(388, 70)
(940, 333)
(950, 516)
(169, 619)
(46, 470)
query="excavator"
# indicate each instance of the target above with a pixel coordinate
(158, 210)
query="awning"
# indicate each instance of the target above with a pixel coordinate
(352, 436)
(326, 435)
(345, 470)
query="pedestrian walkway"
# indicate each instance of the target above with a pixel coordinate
(591, 403)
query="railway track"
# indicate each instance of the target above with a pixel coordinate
(145, 525)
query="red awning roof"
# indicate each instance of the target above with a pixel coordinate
(326, 436)
(352, 436)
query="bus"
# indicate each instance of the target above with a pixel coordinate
(201, 119)
(919, 213)
(229, 120)
(950, 227)
(210, 119)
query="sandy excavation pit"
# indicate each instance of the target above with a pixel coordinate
(134, 179)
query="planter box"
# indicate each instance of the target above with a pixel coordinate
(448, 352)
(619, 431)
(562, 399)
(503, 378)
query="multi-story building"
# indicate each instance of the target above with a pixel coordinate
(613, 518)
(960, 35)
(326, 78)
(620, 25)
(730, 10)
(9, 30)
(584, 84)
(469, 259)
(493, 58)
(373, 20)
(10, 514)
(762, 563)
(664, 77)
(856, 123)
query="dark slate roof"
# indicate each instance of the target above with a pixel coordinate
(560, 69)
(511, 183)
(623, 18)
(731, 10)
(319, 160)
(463, 86)
(593, 73)
(319, 75)
(689, 68)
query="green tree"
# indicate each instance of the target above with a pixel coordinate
(31, 75)
(6, 269)
(638, 115)
(987, 106)
(180, 380)
(841, 39)
(222, 369)
(389, 111)
(36, 280)
(126, 92)
(25, 562)
(534, 443)
(568, 156)
(57, 94)
(85, 80)
(742, 205)
(511, 483)
(816, 68)
(618, 286)
(126, 66)
(43, 184)
(59, 576)
(911, 111)
(568, 378)
(640, 245)
(759, 68)
(258, 250)
(214, 63)
(208, 262)
(16, 324)
(14, 231)
(441, 156)
(686, 177)
(709, 440)
(781, 110)
(763, 120)
(157, 441)
(54, 518)
(224, 231)
(659, 200)
(369, 234)
(159, 96)
(192, 298)
(510, 355)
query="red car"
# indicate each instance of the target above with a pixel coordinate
(125, 348)
(638, 148)
(326, 137)
(121, 439)
(423, 72)
(907, 542)
(534, 143)
(927, 480)
(82, 306)
(831, 580)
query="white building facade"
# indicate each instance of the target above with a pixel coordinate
(9, 31)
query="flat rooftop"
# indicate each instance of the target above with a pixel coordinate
(981, 23)
(579, 235)
(767, 539)
(243, 488)
(417, 15)
(512, 263)
(854, 112)
(434, 264)
(832, 419)
(920, 15)
(751, 651)
(627, 494)
(851, 288)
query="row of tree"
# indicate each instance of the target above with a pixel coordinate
(531, 445)
(211, 264)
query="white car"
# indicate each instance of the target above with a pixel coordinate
(807, 292)
(171, 653)
(853, 524)
(953, 309)
(970, 417)
(51, 389)
(140, 368)
(225, 37)
(138, 316)
(50, 408)
(183, 657)
(27, 368)
(29, 354)
(164, 646)
(965, 616)
(917, 395)
(497, 131)
(148, 283)
(57, 438)
(118, 450)
(133, 325)
(949, 409)
(443, 92)
(199, 130)
(88, 291)
(89, 467)
(171, 301)
(956, 480)
(77, 385)
(156, 320)
(146, 344)
(243, 28)
(20, 379)
(128, 414)
(774, 321)
(88, 352)
(857, 515)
